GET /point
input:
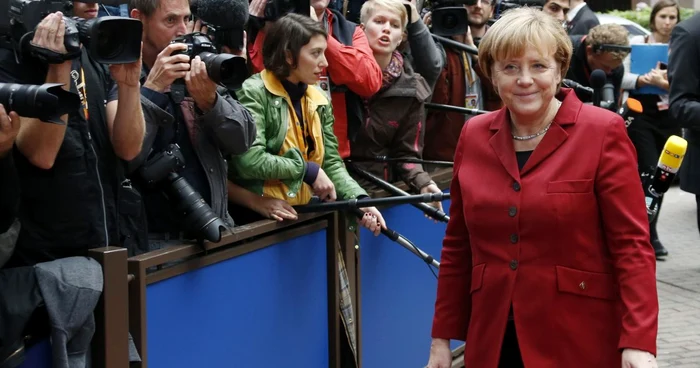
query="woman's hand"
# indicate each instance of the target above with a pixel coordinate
(373, 220)
(440, 354)
(432, 188)
(274, 208)
(633, 358)
(323, 187)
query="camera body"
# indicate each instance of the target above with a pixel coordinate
(197, 43)
(197, 215)
(157, 168)
(275, 9)
(226, 69)
(109, 40)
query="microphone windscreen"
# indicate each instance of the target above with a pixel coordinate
(672, 156)
(223, 14)
(598, 79)
(634, 105)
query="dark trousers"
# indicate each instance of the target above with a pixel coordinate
(649, 135)
(510, 351)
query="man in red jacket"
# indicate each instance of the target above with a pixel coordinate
(352, 73)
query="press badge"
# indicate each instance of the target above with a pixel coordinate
(325, 85)
(471, 101)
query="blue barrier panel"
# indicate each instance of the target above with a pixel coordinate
(264, 309)
(398, 291)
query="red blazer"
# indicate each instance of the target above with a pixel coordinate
(566, 241)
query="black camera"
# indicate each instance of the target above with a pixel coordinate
(46, 102)
(109, 40)
(275, 9)
(450, 18)
(198, 216)
(229, 70)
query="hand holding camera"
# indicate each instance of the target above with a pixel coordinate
(126, 75)
(168, 68)
(200, 86)
(9, 128)
(49, 33)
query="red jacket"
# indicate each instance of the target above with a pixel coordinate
(352, 66)
(566, 241)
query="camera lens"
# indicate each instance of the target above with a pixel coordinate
(112, 40)
(450, 21)
(107, 43)
(225, 68)
(47, 102)
(198, 216)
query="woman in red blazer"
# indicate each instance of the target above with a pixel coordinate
(546, 262)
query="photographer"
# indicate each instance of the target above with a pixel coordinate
(207, 124)
(70, 173)
(9, 185)
(461, 83)
(597, 50)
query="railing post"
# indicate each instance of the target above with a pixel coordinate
(110, 345)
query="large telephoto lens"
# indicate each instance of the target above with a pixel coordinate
(198, 216)
(229, 70)
(46, 102)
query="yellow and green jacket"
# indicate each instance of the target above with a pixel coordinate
(276, 163)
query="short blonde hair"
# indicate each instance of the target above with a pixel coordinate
(609, 34)
(519, 30)
(394, 6)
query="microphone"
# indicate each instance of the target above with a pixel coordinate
(597, 81)
(607, 97)
(631, 106)
(669, 163)
(225, 20)
(578, 87)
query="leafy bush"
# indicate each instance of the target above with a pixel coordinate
(642, 17)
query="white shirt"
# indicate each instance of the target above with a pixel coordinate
(572, 13)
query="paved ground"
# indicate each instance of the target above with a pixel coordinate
(679, 283)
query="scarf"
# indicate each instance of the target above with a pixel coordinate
(392, 71)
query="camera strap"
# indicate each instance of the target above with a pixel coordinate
(45, 55)
(81, 88)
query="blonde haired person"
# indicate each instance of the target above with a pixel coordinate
(549, 264)
(394, 124)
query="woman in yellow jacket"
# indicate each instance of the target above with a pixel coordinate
(295, 153)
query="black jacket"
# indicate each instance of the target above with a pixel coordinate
(684, 78)
(71, 207)
(9, 192)
(683, 73)
(584, 20)
(580, 72)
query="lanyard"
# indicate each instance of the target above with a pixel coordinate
(82, 90)
(467, 69)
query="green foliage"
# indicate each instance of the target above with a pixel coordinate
(642, 17)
